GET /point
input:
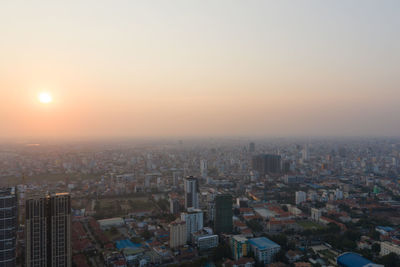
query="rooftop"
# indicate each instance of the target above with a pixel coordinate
(263, 243)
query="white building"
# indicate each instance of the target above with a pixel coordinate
(387, 248)
(194, 221)
(300, 197)
(177, 234)
(315, 214)
(207, 241)
(264, 249)
(112, 222)
(339, 194)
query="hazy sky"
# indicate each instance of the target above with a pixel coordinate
(200, 68)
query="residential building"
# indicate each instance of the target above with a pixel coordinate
(264, 249)
(177, 233)
(8, 226)
(240, 246)
(191, 193)
(300, 197)
(267, 164)
(387, 248)
(48, 231)
(194, 221)
(223, 214)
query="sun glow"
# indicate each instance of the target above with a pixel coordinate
(45, 98)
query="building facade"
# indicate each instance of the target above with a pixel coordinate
(48, 231)
(177, 234)
(240, 246)
(267, 164)
(264, 249)
(191, 193)
(223, 214)
(8, 226)
(194, 221)
(300, 197)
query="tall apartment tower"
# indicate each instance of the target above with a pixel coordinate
(223, 214)
(267, 164)
(191, 193)
(60, 229)
(203, 168)
(8, 226)
(48, 231)
(36, 221)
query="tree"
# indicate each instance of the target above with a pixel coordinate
(390, 260)
(376, 248)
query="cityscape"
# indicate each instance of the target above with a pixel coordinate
(212, 133)
(235, 202)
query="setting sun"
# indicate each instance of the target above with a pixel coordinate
(45, 98)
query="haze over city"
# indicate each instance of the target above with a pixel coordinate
(199, 68)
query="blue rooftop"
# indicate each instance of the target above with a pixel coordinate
(126, 243)
(385, 228)
(263, 243)
(350, 259)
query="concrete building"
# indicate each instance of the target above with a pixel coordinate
(315, 214)
(8, 226)
(300, 197)
(223, 214)
(267, 164)
(177, 233)
(264, 249)
(205, 242)
(240, 246)
(174, 206)
(36, 226)
(387, 248)
(48, 231)
(111, 222)
(203, 168)
(191, 193)
(194, 221)
(350, 259)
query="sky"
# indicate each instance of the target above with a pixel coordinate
(199, 68)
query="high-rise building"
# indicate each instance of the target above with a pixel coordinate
(8, 226)
(223, 214)
(36, 236)
(194, 221)
(252, 147)
(177, 233)
(174, 206)
(300, 197)
(191, 193)
(203, 168)
(60, 229)
(267, 164)
(48, 231)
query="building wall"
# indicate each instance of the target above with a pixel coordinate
(387, 248)
(8, 228)
(178, 234)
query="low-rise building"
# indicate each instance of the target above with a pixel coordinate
(264, 249)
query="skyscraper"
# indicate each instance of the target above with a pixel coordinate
(177, 234)
(223, 214)
(191, 193)
(8, 226)
(60, 230)
(194, 221)
(252, 147)
(203, 168)
(48, 231)
(267, 164)
(36, 224)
